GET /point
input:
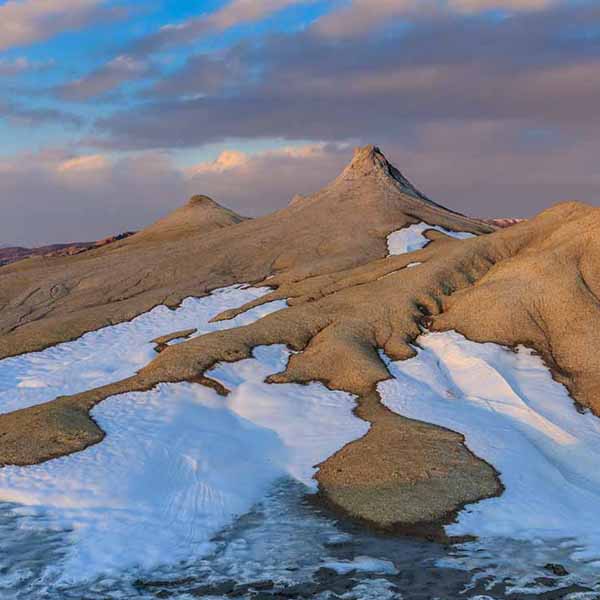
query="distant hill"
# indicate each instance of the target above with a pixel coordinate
(11, 254)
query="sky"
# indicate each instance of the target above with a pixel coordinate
(113, 112)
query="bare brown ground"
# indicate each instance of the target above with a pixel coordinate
(382, 478)
(162, 342)
(535, 283)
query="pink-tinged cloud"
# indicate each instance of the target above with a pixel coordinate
(24, 22)
(108, 77)
(238, 12)
(358, 17)
(478, 168)
(92, 196)
(135, 66)
(232, 14)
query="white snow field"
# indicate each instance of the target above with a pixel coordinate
(179, 463)
(118, 351)
(516, 417)
(364, 564)
(411, 238)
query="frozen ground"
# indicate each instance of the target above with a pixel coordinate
(179, 462)
(411, 238)
(515, 416)
(116, 352)
(284, 538)
(184, 473)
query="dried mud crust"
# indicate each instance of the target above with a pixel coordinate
(536, 282)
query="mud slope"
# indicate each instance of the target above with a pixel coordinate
(204, 246)
(535, 283)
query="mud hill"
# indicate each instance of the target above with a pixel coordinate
(535, 283)
(199, 216)
(203, 246)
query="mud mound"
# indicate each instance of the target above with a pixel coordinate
(203, 246)
(199, 216)
(536, 282)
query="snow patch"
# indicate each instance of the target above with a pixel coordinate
(363, 564)
(374, 589)
(410, 239)
(516, 417)
(116, 352)
(178, 464)
(311, 421)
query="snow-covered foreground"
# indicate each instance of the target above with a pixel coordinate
(179, 462)
(411, 238)
(515, 416)
(118, 351)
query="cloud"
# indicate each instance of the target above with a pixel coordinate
(121, 69)
(54, 196)
(206, 74)
(358, 17)
(476, 168)
(228, 160)
(495, 117)
(474, 6)
(25, 116)
(24, 22)
(83, 164)
(528, 68)
(10, 67)
(234, 13)
(481, 169)
(135, 65)
(255, 184)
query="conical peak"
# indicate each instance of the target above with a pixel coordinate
(199, 215)
(366, 159)
(200, 199)
(369, 161)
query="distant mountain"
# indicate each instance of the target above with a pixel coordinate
(10, 254)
